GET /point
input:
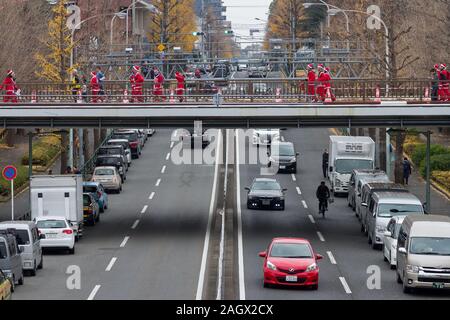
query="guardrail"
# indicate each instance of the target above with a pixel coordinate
(89, 166)
(233, 90)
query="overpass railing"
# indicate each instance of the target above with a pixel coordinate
(231, 90)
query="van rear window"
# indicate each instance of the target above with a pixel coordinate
(22, 237)
(3, 254)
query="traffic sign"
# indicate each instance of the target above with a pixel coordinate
(161, 47)
(9, 173)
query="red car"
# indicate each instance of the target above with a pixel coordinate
(291, 262)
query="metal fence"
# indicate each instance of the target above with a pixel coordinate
(232, 90)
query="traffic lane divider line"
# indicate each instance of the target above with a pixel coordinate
(144, 210)
(299, 191)
(135, 224)
(94, 292)
(331, 257)
(163, 169)
(124, 242)
(312, 219)
(152, 195)
(304, 204)
(345, 285)
(319, 234)
(168, 156)
(111, 264)
(158, 182)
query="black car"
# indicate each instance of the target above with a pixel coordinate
(283, 155)
(266, 193)
(114, 150)
(112, 161)
(133, 138)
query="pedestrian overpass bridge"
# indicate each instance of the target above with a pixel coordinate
(387, 114)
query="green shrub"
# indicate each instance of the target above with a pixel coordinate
(439, 162)
(22, 178)
(44, 150)
(410, 148)
(420, 152)
(443, 178)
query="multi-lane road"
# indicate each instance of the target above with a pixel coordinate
(150, 242)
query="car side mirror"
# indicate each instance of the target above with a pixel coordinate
(263, 254)
(319, 257)
(297, 154)
(359, 195)
(247, 188)
(285, 189)
(402, 250)
(364, 205)
(388, 234)
(41, 236)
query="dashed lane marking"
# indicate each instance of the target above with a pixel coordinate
(331, 257)
(124, 242)
(158, 182)
(319, 234)
(111, 264)
(94, 292)
(144, 210)
(152, 195)
(294, 178)
(312, 219)
(168, 156)
(299, 191)
(345, 285)
(304, 204)
(135, 224)
(163, 169)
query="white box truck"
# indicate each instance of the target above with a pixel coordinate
(346, 154)
(58, 195)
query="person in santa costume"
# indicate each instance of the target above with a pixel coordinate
(137, 85)
(95, 87)
(158, 86)
(321, 85)
(180, 85)
(327, 84)
(10, 86)
(312, 77)
(445, 77)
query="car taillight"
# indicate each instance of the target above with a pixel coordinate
(99, 194)
(134, 144)
(67, 231)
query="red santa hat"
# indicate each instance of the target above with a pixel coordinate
(93, 73)
(9, 72)
(443, 66)
(310, 66)
(436, 66)
(327, 69)
(320, 66)
(137, 68)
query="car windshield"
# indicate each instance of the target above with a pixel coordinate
(112, 151)
(103, 172)
(123, 144)
(291, 250)
(266, 185)
(90, 189)
(284, 150)
(132, 136)
(346, 166)
(393, 210)
(22, 237)
(51, 224)
(430, 246)
(2, 250)
(108, 161)
(86, 200)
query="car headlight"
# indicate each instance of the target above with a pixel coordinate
(312, 267)
(338, 182)
(412, 268)
(381, 229)
(271, 266)
(292, 160)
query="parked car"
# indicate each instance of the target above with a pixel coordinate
(10, 258)
(109, 177)
(356, 181)
(390, 240)
(97, 190)
(5, 287)
(140, 133)
(91, 212)
(114, 150)
(125, 144)
(265, 193)
(423, 253)
(56, 233)
(27, 237)
(283, 155)
(291, 262)
(382, 206)
(133, 139)
(116, 161)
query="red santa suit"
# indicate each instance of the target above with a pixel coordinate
(180, 85)
(158, 86)
(312, 77)
(327, 84)
(9, 85)
(95, 87)
(137, 85)
(445, 76)
(321, 91)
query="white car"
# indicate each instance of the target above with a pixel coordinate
(265, 136)
(56, 233)
(390, 240)
(109, 178)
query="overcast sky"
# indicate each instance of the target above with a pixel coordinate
(242, 14)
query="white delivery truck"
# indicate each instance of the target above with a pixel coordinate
(58, 195)
(347, 154)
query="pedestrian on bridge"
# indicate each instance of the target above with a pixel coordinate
(180, 85)
(76, 85)
(101, 80)
(321, 78)
(95, 87)
(327, 84)
(158, 86)
(137, 85)
(312, 77)
(10, 86)
(434, 84)
(445, 78)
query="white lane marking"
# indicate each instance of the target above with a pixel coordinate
(239, 223)
(331, 257)
(135, 224)
(345, 285)
(168, 156)
(94, 292)
(144, 210)
(152, 195)
(304, 204)
(294, 178)
(312, 219)
(172, 144)
(163, 169)
(158, 182)
(201, 277)
(282, 139)
(299, 191)
(124, 242)
(320, 236)
(111, 264)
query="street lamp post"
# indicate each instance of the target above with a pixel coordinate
(147, 5)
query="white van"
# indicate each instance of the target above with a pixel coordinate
(27, 237)
(357, 180)
(10, 259)
(423, 253)
(385, 205)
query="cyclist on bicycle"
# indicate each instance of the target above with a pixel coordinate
(323, 194)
